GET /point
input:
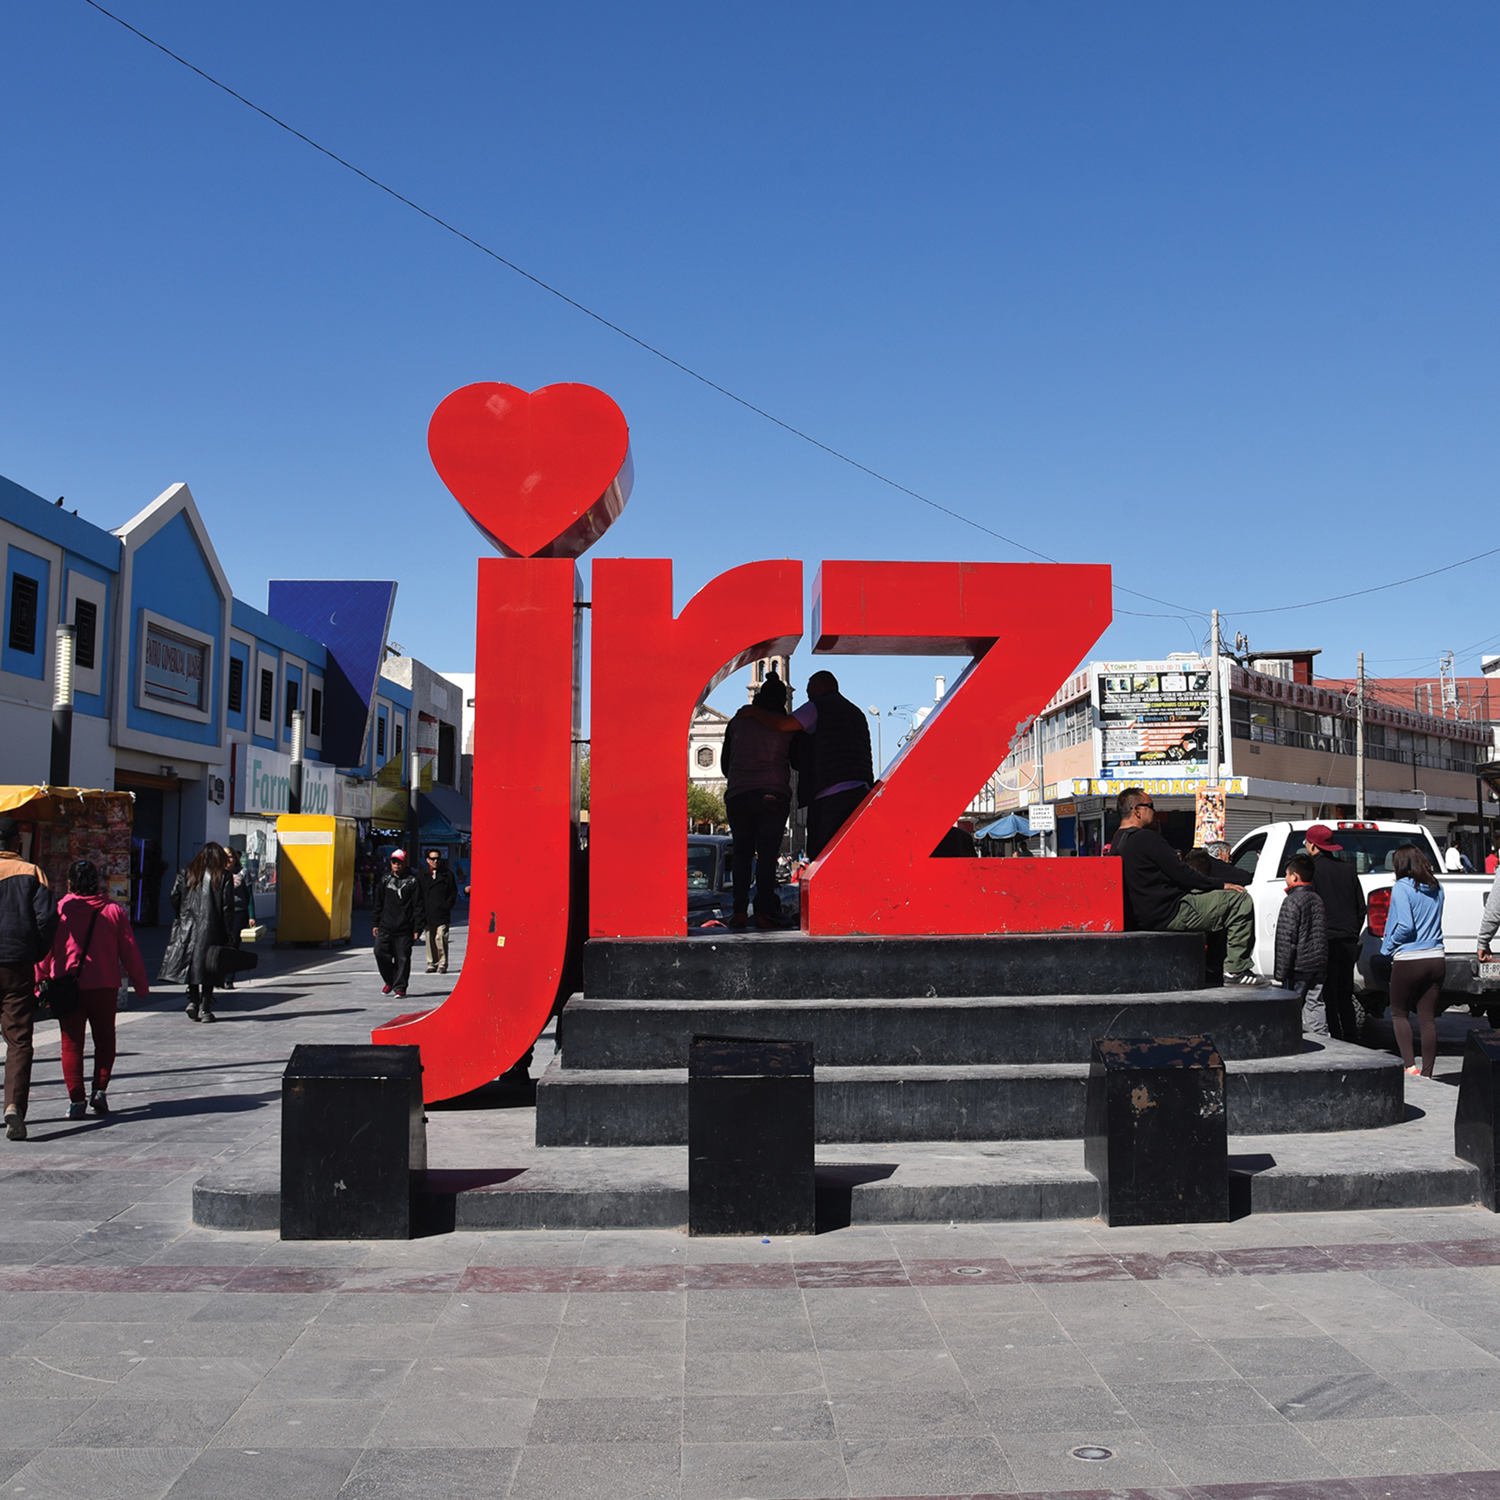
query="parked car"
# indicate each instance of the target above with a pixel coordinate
(1369, 846)
(710, 881)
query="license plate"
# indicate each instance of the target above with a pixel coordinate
(1489, 974)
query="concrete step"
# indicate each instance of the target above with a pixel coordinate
(1328, 1086)
(866, 1032)
(791, 965)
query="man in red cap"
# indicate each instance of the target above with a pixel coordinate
(398, 918)
(1336, 882)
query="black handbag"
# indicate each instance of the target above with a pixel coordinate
(222, 961)
(57, 996)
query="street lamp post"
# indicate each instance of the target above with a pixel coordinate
(61, 769)
(879, 744)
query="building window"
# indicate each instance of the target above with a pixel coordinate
(705, 755)
(23, 600)
(380, 739)
(315, 713)
(85, 632)
(447, 745)
(236, 685)
(267, 695)
(398, 741)
(293, 692)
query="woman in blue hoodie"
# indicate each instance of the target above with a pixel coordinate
(1414, 944)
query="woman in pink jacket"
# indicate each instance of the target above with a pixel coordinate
(110, 948)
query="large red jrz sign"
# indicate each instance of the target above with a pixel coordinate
(543, 474)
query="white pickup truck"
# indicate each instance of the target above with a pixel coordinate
(1263, 854)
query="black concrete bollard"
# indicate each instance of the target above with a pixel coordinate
(1476, 1124)
(353, 1142)
(1155, 1130)
(750, 1137)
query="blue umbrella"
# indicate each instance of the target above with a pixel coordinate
(1014, 826)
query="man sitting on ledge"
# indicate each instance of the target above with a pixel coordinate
(1162, 894)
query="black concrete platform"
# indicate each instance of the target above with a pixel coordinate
(1012, 1029)
(791, 966)
(1332, 1086)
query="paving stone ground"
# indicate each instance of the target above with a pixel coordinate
(1338, 1356)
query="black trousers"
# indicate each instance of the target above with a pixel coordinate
(1338, 989)
(827, 815)
(757, 821)
(393, 957)
(17, 1006)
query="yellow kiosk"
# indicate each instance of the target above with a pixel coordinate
(315, 872)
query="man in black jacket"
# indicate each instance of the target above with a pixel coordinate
(834, 766)
(439, 897)
(1343, 918)
(398, 917)
(28, 923)
(1162, 894)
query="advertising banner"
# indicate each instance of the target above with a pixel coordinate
(1231, 786)
(173, 667)
(263, 783)
(1153, 717)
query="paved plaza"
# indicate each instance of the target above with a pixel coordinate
(1344, 1356)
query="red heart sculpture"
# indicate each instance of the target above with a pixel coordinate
(541, 473)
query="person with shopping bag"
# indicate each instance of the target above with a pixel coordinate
(94, 946)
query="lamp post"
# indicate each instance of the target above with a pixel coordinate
(62, 708)
(879, 743)
(414, 815)
(294, 776)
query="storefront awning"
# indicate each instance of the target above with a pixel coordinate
(444, 816)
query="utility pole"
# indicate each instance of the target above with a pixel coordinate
(1359, 742)
(1213, 706)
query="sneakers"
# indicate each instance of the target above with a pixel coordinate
(1414, 1071)
(442, 968)
(15, 1126)
(101, 1104)
(400, 994)
(385, 989)
(738, 920)
(1247, 981)
(78, 1109)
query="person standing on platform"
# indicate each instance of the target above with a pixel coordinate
(1414, 944)
(94, 942)
(757, 798)
(28, 920)
(439, 897)
(398, 918)
(1302, 942)
(1337, 884)
(834, 761)
(1162, 894)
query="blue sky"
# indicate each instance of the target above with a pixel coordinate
(1204, 292)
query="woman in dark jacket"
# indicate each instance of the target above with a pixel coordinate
(237, 878)
(203, 898)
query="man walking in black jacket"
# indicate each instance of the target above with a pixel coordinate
(1162, 894)
(398, 917)
(1337, 882)
(439, 897)
(28, 923)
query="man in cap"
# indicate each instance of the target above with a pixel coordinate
(398, 918)
(1337, 883)
(28, 922)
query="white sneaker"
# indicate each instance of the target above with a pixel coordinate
(1247, 981)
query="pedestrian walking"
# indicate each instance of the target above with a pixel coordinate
(95, 944)
(239, 883)
(757, 798)
(835, 767)
(203, 903)
(398, 918)
(439, 897)
(1337, 883)
(1302, 943)
(1162, 894)
(28, 920)
(1414, 944)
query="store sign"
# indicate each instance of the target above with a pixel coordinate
(263, 783)
(1042, 817)
(174, 669)
(355, 799)
(1153, 716)
(1233, 786)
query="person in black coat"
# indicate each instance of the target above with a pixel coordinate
(1337, 882)
(834, 765)
(398, 918)
(439, 897)
(203, 903)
